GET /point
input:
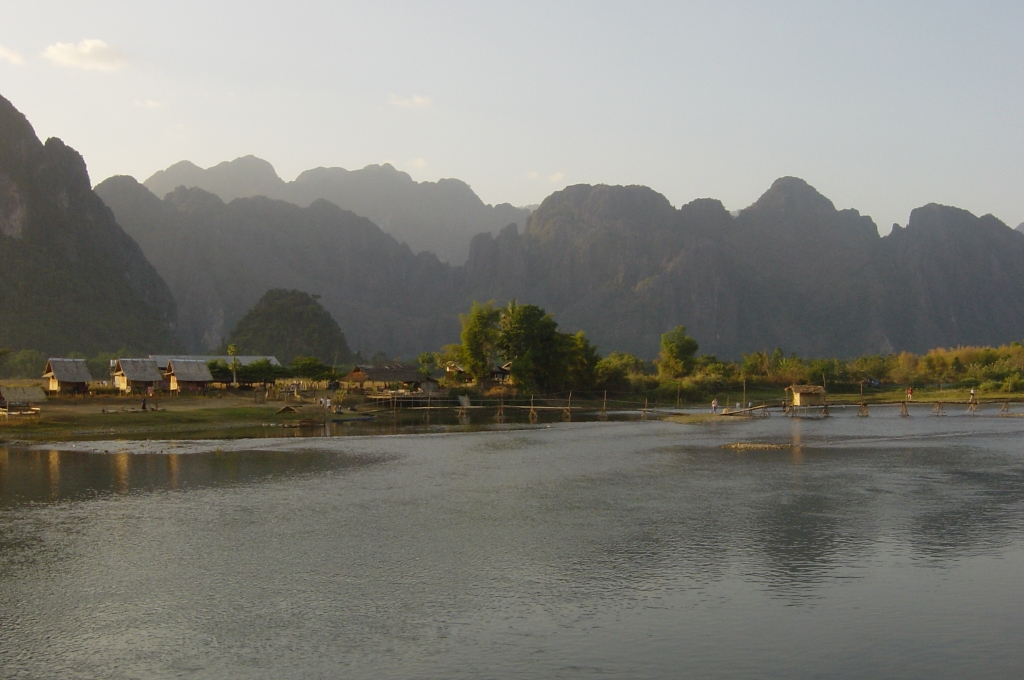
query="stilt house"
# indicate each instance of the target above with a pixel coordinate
(67, 376)
(808, 395)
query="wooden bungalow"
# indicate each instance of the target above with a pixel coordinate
(807, 395)
(20, 400)
(188, 375)
(388, 377)
(67, 376)
(137, 375)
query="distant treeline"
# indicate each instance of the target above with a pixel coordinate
(524, 340)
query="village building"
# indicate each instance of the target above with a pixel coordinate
(807, 395)
(67, 376)
(188, 375)
(389, 378)
(15, 401)
(138, 375)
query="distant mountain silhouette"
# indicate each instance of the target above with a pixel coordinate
(619, 262)
(789, 271)
(72, 280)
(219, 259)
(438, 217)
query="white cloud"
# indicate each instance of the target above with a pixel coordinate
(147, 104)
(88, 54)
(10, 56)
(532, 175)
(417, 163)
(417, 101)
(556, 178)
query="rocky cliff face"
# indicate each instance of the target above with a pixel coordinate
(620, 263)
(72, 279)
(790, 271)
(438, 217)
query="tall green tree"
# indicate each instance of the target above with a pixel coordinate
(677, 352)
(479, 339)
(530, 341)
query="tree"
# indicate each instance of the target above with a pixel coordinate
(530, 341)
(677, 352)
(581, 362)
(311, 368)
(479, 338)
(233, 353)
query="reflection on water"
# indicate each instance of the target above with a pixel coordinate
(31, 476)
(621, 549)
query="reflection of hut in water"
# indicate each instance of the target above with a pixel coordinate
(807, 395)
(67, 376)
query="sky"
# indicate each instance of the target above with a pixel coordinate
(882, 106)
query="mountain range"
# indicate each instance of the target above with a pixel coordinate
(72, 280)
(619, 262)
(440, 217)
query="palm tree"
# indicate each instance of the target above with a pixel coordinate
(233, 353)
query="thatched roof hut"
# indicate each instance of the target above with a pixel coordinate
(67, 375)
(20, 398)
(188, 374)
(137, 374)
(381, 377)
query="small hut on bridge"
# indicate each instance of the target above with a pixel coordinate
(188, 375)
(137, 375)
(807, 395)
(67, 376)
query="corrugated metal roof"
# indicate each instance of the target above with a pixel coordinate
(163, 359)
(189, 370)
(139, 370)
(23, 395)
(68, 370)
(808, 389)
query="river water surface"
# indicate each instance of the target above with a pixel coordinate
(872, 547)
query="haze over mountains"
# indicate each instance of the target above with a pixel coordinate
(619, 262)
(439, 217)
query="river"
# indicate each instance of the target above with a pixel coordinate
(869, 547)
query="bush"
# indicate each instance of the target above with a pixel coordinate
(28, 363)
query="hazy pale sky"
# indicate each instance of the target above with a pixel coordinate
(883, 106)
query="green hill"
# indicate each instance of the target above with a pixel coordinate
(289, 324)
